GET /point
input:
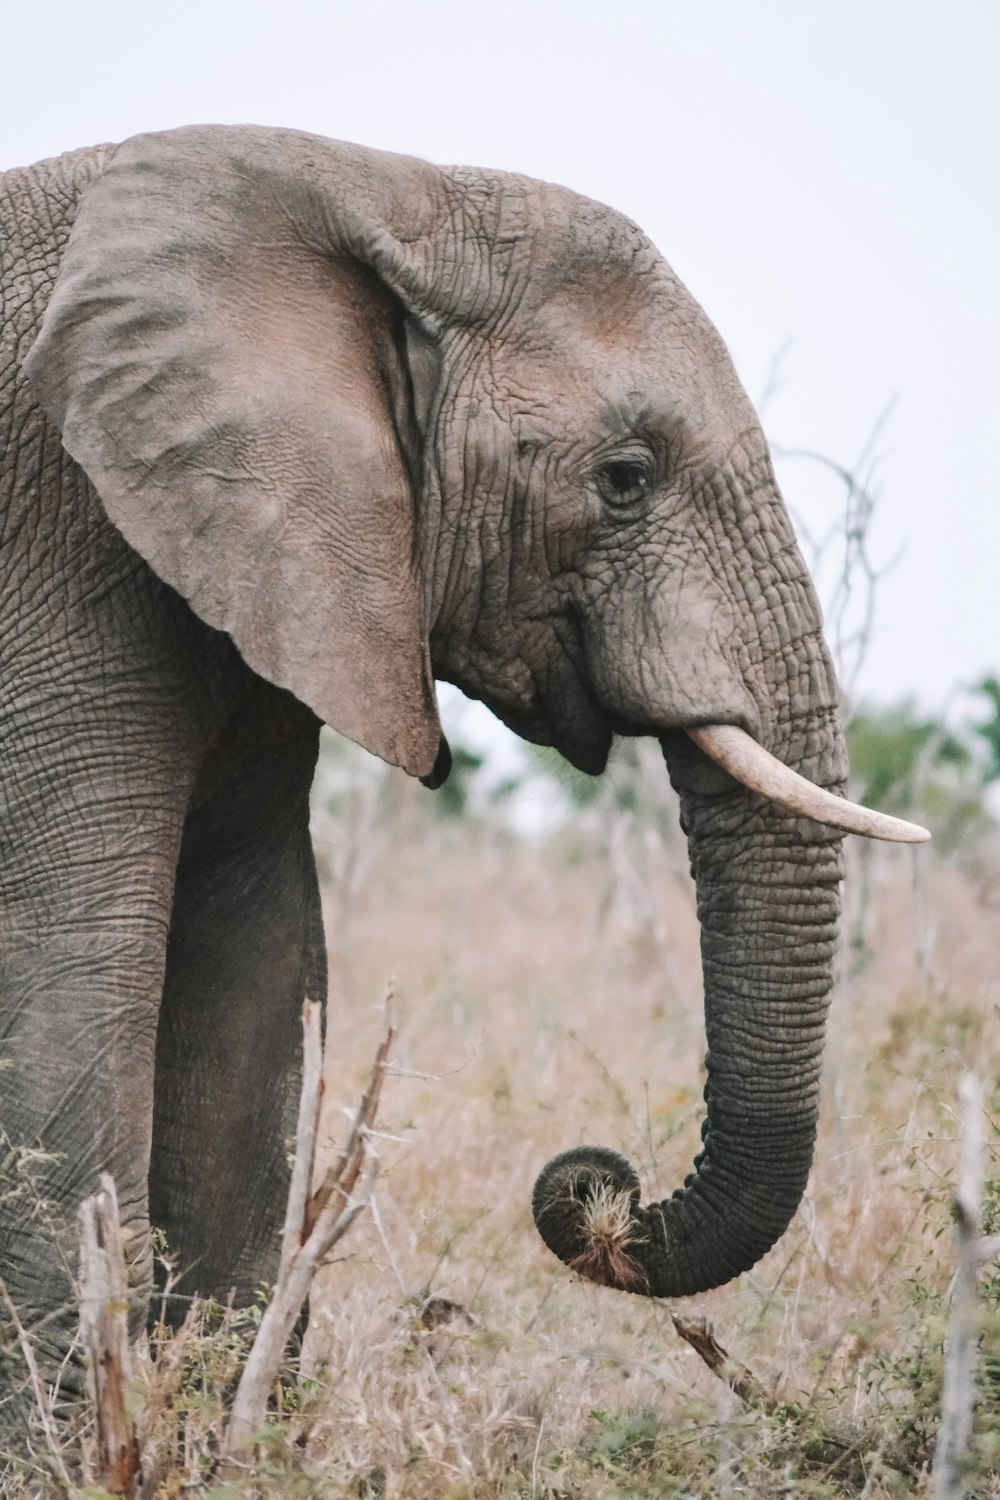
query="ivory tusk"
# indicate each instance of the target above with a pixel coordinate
(756, 768)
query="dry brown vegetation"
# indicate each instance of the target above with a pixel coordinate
(555, 1007)
(549, 995)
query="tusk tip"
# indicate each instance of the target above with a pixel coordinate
(904, 833)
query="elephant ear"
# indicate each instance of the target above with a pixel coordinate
(224, 354)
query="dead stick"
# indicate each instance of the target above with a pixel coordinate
(264, 1360)
(959, 1392)
(742, 1382)
(104, 1326)
(328, 1215)
(344, 1173)
(310, 1103)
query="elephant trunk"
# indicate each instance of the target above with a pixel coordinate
(767, 884)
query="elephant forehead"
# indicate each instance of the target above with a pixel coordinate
(607, 340)
(594, 384)
(652, 337)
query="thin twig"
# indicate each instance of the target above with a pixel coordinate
(618, 1093)
(41, 1396)
(534, 1457)
(854, 593)
(874, 1468)
(390, 1257)
(772, 379)
(958, 1395)
(343, 1176)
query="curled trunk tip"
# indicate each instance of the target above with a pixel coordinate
(767, 905)
(586, 1208)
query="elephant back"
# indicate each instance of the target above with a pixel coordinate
(38, 206)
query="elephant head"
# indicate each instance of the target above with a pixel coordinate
(384, 422)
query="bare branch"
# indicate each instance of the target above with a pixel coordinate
(772, 380)
(104, 1327)
(343, 1175)
(958, 1396)
(323, 1220)
(310, 1104)
(850, 608)
(698, 1332)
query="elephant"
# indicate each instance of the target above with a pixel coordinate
(292, 429)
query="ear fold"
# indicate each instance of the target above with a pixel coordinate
(224, 355)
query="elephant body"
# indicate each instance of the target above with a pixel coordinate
(289, 430)
(159, 910)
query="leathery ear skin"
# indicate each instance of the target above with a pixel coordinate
(227, 368)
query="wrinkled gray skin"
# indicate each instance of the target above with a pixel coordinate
(290, 428)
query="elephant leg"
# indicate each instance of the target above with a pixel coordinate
(245, 946)
(88, 882)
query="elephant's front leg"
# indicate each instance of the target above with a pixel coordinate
(88, 881)
(245, 945)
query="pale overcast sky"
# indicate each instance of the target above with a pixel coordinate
(820, 174)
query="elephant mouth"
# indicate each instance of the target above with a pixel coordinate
(567, 716)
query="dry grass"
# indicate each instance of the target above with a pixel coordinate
(608, 1229)
(540, 1010)
(549, 1020)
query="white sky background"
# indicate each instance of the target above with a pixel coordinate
(825, 174)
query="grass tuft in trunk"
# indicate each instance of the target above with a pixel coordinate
(608, 1228)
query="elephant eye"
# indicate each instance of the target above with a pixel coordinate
(623, 480)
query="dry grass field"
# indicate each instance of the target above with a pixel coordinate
(549, 995)
(553, 994)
